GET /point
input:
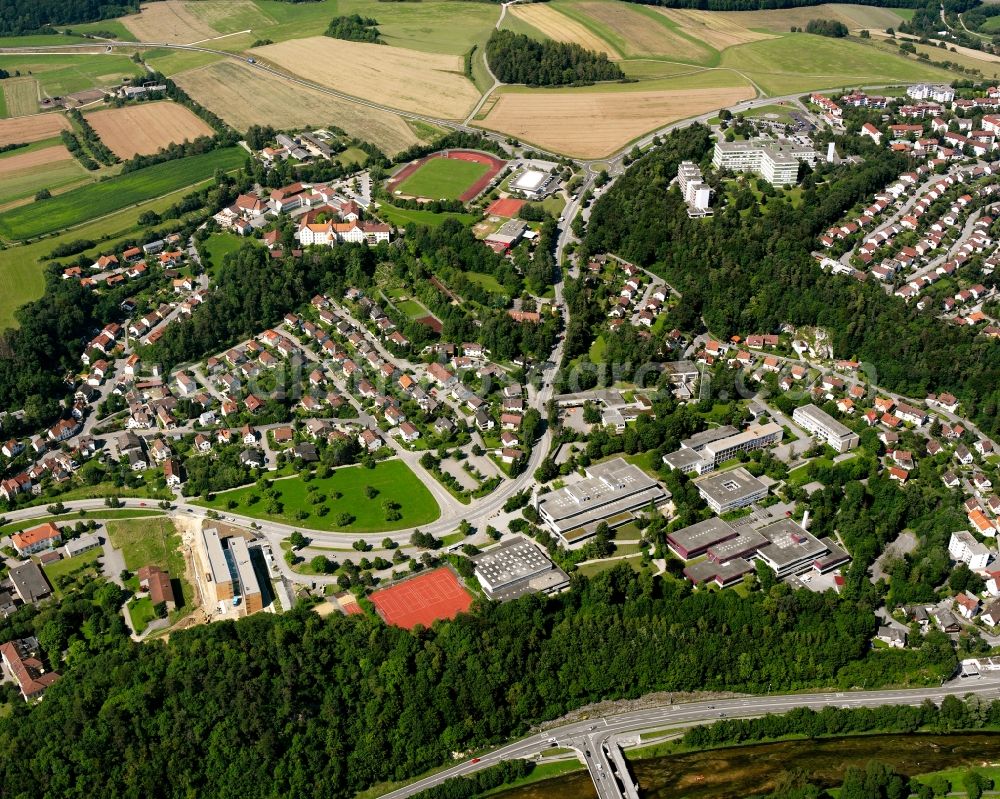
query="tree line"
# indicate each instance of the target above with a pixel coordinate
(516, 58)
(32, 16)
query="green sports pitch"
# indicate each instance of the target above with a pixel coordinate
(443, 179)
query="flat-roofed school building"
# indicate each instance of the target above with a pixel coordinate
(731, 490)
(517, 567)
(820, 424)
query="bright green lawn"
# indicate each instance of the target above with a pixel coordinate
(170, 62)
(121, 33)
(60, 568)
(597, 350)
(401, 217)
(65, 74)
(154, 542)
(800, 62)
(38, 41)
(219, 245)
(141, 613)
(487, 282)
(101, 513)
(393, 480)
(443, 179)
(112, 195)
(412, 308)
(352, 156)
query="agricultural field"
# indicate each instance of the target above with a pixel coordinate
(799, 62)
(59, 75)
(97, 199)
(243, 97)
(22, 130)
(23, 174)
(854, 17)
(392, 479)
(20, 96)
(103, 27)
(171, 62)
(169, 21)
(554, 25)
(443, 179)
(407, 79)
(146, 128)
(714, 29)
(596, 123)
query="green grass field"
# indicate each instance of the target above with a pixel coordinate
(40, 40)
(141, 613)
(800, 62)
(412, 308)
(104, 513)
(488, 282)
(443, 179)
(3, 106)
(121, 33)
(219, 245)
(92, 201)
(61, 568)
(154, 542)
(21, 96)
(27, 182)
(401, 217)
(392, 479)
(64, 74)
(170, 62)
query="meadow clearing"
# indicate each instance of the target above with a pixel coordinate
(31, 128)
(146, 128)
(595, 124)
(59, 75)
(410, 80)
(243, 96)
(20, 96)
(97, 199)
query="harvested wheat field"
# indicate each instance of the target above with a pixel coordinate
(21, 95)
(711, 27)
(147, 128)
(780, 20)
(36, 158)
(243, 96)
(640, 34)
(593, 125)
(167, 21)
(427, 83)
(561, 28)
(31, 128)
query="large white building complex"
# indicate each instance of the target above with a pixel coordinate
(777, 161)
(706, 451)
(697, 193)
(964, 548)
(612, 492)
(517, 567)
(820, 424)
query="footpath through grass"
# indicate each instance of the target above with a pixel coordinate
(108, 196)
(320, 503)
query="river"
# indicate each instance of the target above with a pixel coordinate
(740, 771)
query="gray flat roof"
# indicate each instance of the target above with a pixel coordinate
(789, 544)
(687, 460)
(699, 440)
(731, 486)
(746, 543)
(822, 418)
(216, 557)
(249, 585)
(29, 582)
(705, 570)
(702, 535)
(513, 560)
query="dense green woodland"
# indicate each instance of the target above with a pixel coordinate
(301, 706)
(516, 58)
(27, 16)
(751, 273)
(354, 28)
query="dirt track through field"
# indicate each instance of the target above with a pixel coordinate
(243, 96)
(146, 128)
(31, 128)
(561, 28)
(36, 158)
(593, 125)
(425, 83)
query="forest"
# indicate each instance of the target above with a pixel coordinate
(31, 16)
(516, 58)
(763, 5)
(750, 274)
(301, 706)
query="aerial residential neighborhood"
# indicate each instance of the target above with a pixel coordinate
(459, 399)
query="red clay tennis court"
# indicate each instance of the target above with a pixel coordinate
(423, 600)
(508, 207)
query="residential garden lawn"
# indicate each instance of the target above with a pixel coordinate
(112, 195)
(60, 568)
(412, 308)
(219, 245)
(487, 282)
(401, 217)
(64, 74)
(109, 513)
(597, 349)
(141, 613)
(443, 178)
(392, 479)
(154, 542)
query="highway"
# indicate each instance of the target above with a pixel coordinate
(592, 734)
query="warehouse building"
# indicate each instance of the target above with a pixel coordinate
(612, 492)
(820, 424)
(517, 567)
